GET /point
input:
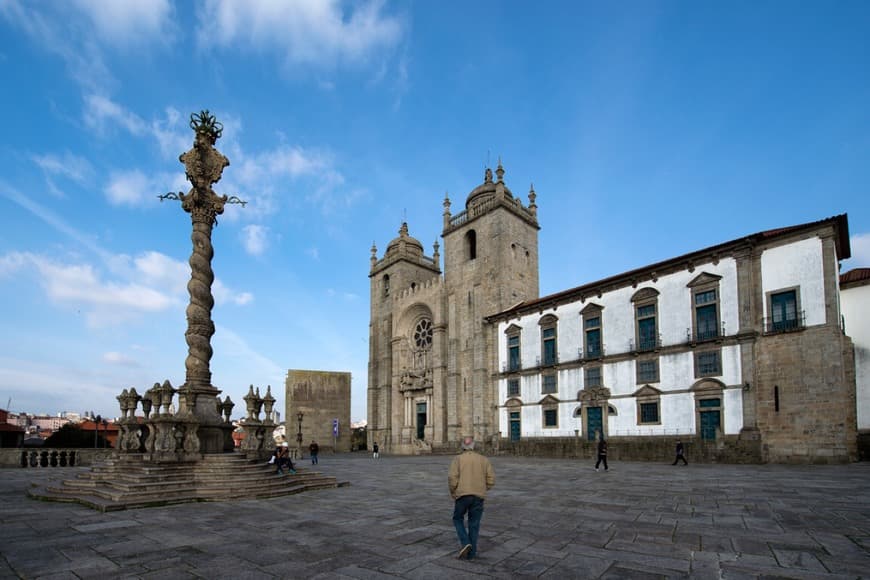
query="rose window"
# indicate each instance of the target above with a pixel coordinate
(423, 333)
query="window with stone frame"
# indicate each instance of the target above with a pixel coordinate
(706, 319)
(592, 377)
(549, 355)
(548, 383)
(386, 285)
(513, 346)
(551, 417)
(513, 387)
(648, 406)
(647, 370)
(646, 319)
(593, 345)
(649, 413)
(708, 363)
(784, 311)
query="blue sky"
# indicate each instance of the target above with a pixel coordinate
(649, 129)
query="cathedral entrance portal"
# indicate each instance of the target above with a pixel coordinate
(421, 420)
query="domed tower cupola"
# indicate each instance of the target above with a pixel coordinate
(484, 194)
(405, 245)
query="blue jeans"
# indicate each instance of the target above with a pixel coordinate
(473, 506)
(314, 459)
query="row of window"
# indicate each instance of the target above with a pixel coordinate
(648, 411)
(708, 363)
(784, 311)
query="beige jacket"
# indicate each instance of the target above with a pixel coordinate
(470, 474)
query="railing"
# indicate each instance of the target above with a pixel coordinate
(645, 344)
(548, 360)
(592, 353)
(510, 367)
(797, 322)
(44, 458)
(706, 334)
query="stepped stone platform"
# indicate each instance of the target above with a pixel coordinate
(127, 482)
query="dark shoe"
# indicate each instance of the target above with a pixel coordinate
(463, 553)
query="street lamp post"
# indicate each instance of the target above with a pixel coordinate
(97, 420)
(299, 416)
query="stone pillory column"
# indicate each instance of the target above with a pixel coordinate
(203, 166)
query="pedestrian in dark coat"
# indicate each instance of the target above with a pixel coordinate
(680, 454)
(602, 453)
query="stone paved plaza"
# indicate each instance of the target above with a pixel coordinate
(546, 518)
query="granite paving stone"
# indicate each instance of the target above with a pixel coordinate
(546, 518)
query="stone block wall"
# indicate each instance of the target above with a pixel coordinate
(805, 396)
(321, 396)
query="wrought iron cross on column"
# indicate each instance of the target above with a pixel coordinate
(203, 166)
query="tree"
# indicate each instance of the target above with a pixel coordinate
(71, 435)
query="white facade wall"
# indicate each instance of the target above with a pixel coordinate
(675, 314)
(855, 304)
(798, 264)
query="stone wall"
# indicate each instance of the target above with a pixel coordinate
(729, 449)
(321, 396)
(805, 393)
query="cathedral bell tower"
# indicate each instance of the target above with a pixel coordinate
(404, 344)
(490, 265)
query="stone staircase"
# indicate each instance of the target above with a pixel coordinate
(127, 482)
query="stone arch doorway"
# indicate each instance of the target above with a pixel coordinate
(709, 408)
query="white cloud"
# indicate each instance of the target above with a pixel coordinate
(313, 253)
(312, 32)
(128, 188)
(134, 188)
(223, 295)
(149, 283)
(67, 165)
(12, 262)
(116, 358)
(128, 24)
(254, 239)
(101, 112)
(860, 244)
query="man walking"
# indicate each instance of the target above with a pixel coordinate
(680, 454)
(470, 476)
(314, 449)
(602, 453)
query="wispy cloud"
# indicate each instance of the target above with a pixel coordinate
(66, 165)
(254, 239)
(117, 358)
(860, 244)
(310, 32)
(135, 189)
(128, 24)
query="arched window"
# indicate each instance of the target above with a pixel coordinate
(386, 284)
(471, 244)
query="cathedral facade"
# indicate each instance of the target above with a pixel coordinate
(739, 344)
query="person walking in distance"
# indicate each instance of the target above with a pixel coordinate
(375, 451)
(470, 476)
(680, 454)
(314, 449)
(602, 453)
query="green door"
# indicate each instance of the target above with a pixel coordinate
(709, 424)
(594, 425)
(515, 426)
(421, 420)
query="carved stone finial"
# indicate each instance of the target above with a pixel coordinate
(487, 175)
(206, 124)
(403, 231)
(499, 171)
